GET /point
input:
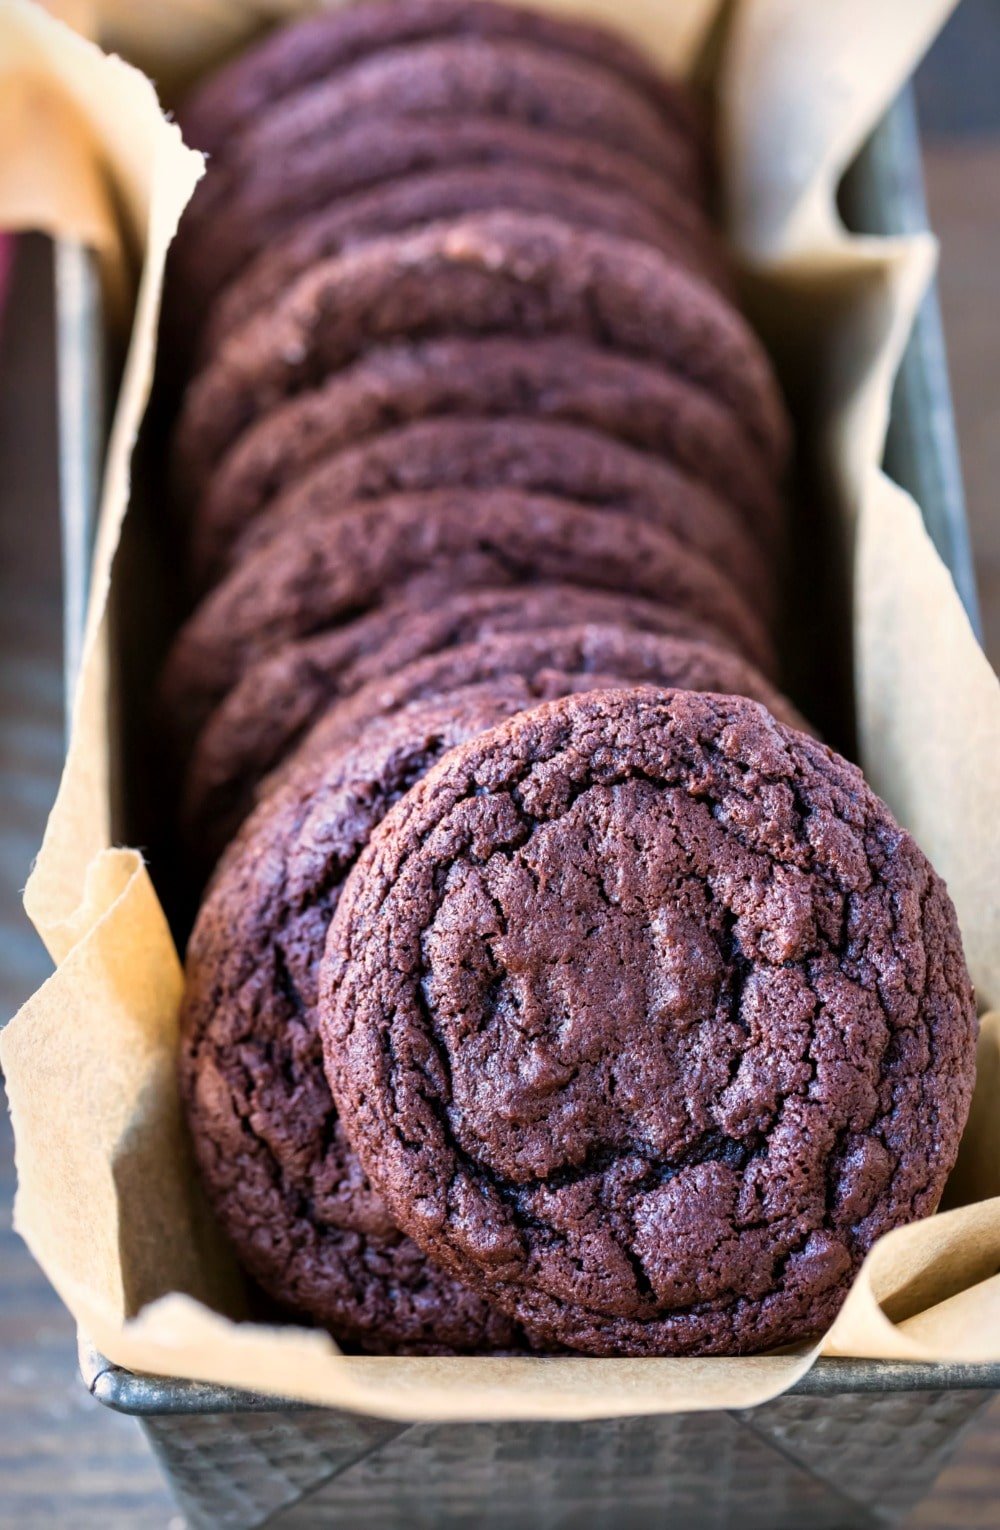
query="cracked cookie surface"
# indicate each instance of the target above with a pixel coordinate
(556, 380)
(408, 201)
(275, 703)
(645, 658)
(233, 217)
(477, 77)
(492, 273)
(537, 457)
(334, 570)
(279, 1169)
(233, 97)
(647, 1019)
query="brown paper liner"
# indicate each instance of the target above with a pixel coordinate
(108, 1201)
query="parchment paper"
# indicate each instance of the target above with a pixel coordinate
(107, 1201)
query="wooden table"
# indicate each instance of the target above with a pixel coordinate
(63, 1460)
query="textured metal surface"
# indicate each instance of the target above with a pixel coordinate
(848, 1460)
(883, 193)
(240, 1471)
(687, 1471)
(881, 1451)
(855, 1443)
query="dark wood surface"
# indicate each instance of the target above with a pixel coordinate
(63, 1460)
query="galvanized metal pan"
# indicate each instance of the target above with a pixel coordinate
(855, 1442)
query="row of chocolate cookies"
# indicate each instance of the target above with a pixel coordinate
(473, 427)
(503, 329)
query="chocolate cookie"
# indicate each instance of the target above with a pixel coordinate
(279, 698)
(558, 379)
(233, 97)
(279, 1170)
(495, 273)
(336, 569)
(462, 76)
(408, 203)
(231, 217)
(540, 457)
(646, 658)
(647, 1019)
(630, 655)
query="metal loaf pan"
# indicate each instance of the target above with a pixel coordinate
(853, 1444)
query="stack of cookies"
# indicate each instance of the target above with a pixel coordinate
(553, 988)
